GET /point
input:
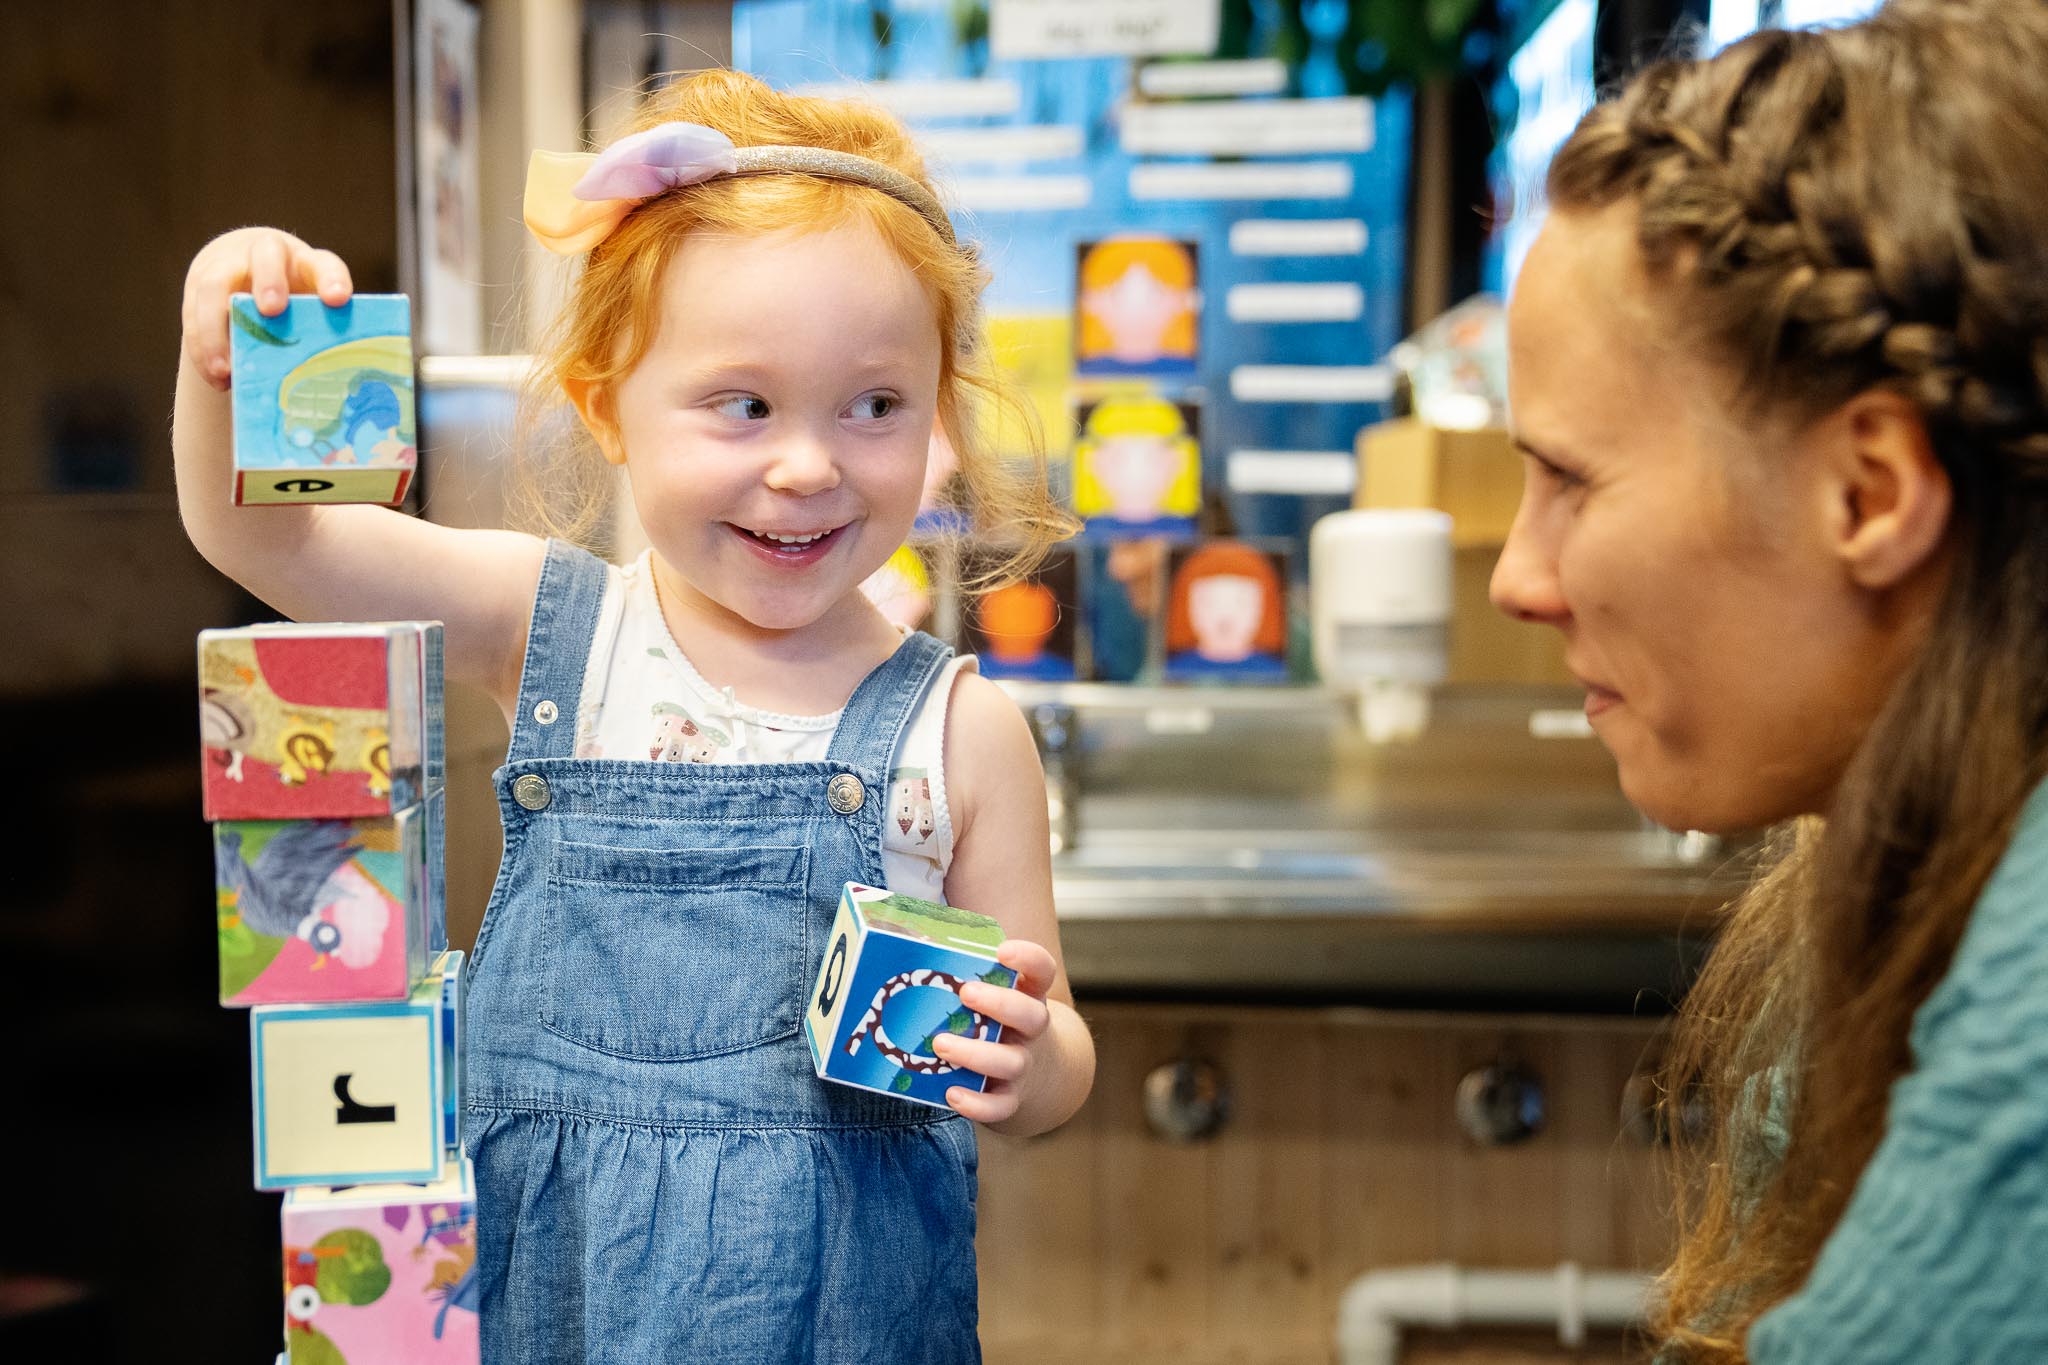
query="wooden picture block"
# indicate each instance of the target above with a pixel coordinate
(321, 720)
(313, 911)
(382, 1274)
(357, 1093)
(889, 985)
(323, 400)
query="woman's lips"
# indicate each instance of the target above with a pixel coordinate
(1599, 699)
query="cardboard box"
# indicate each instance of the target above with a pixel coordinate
(890, 983)
(1473, 475)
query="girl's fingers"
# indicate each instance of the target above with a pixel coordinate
(1034, 966)
(270, 271)
(997, 1061)
(206, 322)
(986, 1106)
(1028, 1015)
(323, 273)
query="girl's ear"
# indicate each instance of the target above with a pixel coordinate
(594, 405)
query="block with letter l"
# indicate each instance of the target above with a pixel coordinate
(351, 1094)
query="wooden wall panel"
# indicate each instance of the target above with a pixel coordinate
(1105, 1242)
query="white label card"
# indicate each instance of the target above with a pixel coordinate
(1103, 28)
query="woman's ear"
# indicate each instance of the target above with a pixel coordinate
(594, 405)
(1890, 496)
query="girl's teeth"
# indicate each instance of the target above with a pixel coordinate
(789, 540)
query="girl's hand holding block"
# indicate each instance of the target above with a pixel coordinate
(1026, 1017)
(265, 262)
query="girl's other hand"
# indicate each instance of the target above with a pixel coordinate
(266, 262)
(1026, 1020)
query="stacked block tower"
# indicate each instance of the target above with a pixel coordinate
(324, 779)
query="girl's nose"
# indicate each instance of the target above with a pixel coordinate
(1524, 583)
(803, 465)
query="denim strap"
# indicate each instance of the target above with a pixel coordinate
(565, 609)
(876, 715)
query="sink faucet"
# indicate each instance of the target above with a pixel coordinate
(1057, 730)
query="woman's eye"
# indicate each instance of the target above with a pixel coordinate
(874, 406)
(742, 407)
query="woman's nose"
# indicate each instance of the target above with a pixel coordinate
(1524, 583)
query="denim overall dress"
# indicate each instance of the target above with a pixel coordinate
(661, 1178)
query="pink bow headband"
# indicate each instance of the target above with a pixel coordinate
(574, 200)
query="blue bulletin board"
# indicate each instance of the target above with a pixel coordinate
(1045, 166)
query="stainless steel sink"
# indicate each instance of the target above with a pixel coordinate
(1255, 843)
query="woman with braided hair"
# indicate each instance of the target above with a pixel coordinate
(1779, 367)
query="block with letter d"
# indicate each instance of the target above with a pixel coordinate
(352, 1094)
(323, 400)
(382, 1274)
(890, 983)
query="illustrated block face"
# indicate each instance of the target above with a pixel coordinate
(380, 1274)
(349, 1094)
(323, 910)
(307, 722)
(890, 983)
(323, 400)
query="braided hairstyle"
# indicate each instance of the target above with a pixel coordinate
(1830, 212)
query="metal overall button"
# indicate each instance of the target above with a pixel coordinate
(531, 791)
(545, 713)
(845, 793)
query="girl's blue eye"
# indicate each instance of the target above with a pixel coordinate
(874, 406)
(744, 407)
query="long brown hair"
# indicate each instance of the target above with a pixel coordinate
(1836, 211)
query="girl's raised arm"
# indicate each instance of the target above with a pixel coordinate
(333, 562)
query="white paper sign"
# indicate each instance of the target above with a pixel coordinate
(1103, 28)
(1248, 127)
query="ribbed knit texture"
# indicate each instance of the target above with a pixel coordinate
(1941, 1257)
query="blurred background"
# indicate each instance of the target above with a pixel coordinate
(1376, 954)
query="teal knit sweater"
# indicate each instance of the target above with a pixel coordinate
(1941, 1257)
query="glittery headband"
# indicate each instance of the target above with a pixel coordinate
(574, 200)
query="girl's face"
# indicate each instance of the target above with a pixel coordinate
(1729, 662)
(775, 433)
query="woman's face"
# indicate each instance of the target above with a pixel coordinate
(1730, 663)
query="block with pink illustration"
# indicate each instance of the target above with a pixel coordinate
(382, 1274)
(316, 721)
(325, 910)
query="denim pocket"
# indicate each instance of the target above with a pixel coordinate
(670, 954)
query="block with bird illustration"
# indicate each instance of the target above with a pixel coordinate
(323, 400)
(382, 1274)
(890, 983)
(350, 1094)
(319, 720)
(309, 911)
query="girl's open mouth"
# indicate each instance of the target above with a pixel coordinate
(789, 547)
